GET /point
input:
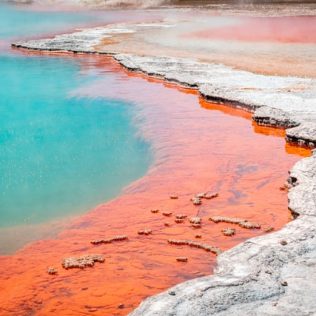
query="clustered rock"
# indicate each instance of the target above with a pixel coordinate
(82, 262)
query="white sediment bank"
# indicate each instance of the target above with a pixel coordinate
(274, 274)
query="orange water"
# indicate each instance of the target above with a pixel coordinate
(198, 146)
(298, 29)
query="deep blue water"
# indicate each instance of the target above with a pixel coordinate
(59, 154)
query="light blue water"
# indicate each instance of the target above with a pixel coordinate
(16, 21)
(59, 154)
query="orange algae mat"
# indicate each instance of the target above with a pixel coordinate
(198, 146)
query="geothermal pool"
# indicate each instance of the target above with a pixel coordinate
(78, 131)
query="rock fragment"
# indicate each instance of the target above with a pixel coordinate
(234, 220)
(195, 220)
(210, 195)
(109, 240)
(196, 201)
(181, 216)
(167, 214)
(145, 232)
(52, 271)
(182, 259)
(194, 244)
(229, 231)
(82, 262)
(179, 221)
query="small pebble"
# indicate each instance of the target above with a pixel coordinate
(173, 293)
(284, 283)
(173, 197)
(198, 236)
(283, 242)
(154, 211)
(121, 306)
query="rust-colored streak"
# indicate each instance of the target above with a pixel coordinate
(269, 29)
(196, 150)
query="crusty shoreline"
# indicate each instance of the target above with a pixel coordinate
(274, 274)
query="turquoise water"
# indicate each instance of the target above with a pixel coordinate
(60, 154)
(16, 21)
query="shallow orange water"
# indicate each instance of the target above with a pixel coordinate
(198, 146)
(300, 29)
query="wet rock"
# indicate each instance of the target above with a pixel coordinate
(52, 271)
(109, 240)
(192, 243)
(267, 116)
(181, 216)
(200, 195)
(235, 220)
(249, 225)
(196, 225)
(145, 232)
(196, 201)
(167, 214)
(228, 231)
(269, 229)
(82, 262)
(179, 221)
(195, 220)
(210, 195)
(182, 259)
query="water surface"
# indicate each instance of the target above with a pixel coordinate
(60, 154)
